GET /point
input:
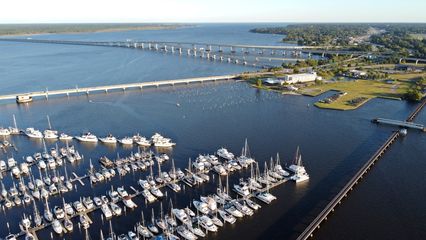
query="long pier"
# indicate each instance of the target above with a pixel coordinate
(106, 88)
(323, 215)
(400, 123)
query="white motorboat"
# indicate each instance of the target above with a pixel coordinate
(201, 206)
(110, 139)
(211, 203)
(65, 137)
(142, 141)
(148, 196)
(227, 217)
(59, 212)
(115, 209)
(234, 212)
(50, 134)
(33, 133)
(185, 233)
(242, 189)
(122, 192)
(181, 215)
(4, 131)
(84, 222)
(265, 197)
(159, 141)
(129, 203)
(87, 137)
(106, 210)
(126, 141)
(57, 226)
(156, 192)
(207, 223)
(224, 153)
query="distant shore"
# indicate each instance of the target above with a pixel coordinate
(19, 30)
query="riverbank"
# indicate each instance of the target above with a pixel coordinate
(14, 30)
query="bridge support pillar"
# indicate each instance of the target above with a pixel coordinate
(417, 61)
(142, 46)
(106, 90)
(156, 47)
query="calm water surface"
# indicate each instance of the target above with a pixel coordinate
(334, 144)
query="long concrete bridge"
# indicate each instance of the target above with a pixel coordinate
(235, 53)
(106, 88)
(331, 206)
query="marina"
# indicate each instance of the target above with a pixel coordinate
(154, 184)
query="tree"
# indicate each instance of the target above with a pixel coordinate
(259, 82)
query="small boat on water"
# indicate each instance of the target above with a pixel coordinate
(87, 137)
(224, 153)
(126, 141)
(4, 131)
(33, 133)
(159, 141)
(57, 226)
(110, 139)
(298, 169)
(23, 99)
(65, 137)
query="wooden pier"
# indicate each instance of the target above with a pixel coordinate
(315, 224)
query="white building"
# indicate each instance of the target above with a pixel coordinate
(300, 78)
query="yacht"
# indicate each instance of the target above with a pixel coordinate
(148, 196)
(68, 225)
(265, 197)
(50, 134)
(234, 212)
(110, 139)
(4, 131)
(129, 203)
(68, 209)
(227, 217)
(156, 192)
(142, 141)
(122, 192)
(298, 169)
(126, 141)
(88, 203)
(106, 210)
(181, 215)
(142, 230)
(207, 223)
(185, 233)
(33, 133)
(201, 206)
(252, 204)
(25, 223)
(243, 208)
(159, 141)
(65, 137)
(84, 222)
(115, 209)
(57, 226)
(87, 137)
(59, 212)
(78, 206)
(211, 203)
(223, 153)
(242, 189)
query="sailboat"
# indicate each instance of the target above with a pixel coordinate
(298, 169)
(49, 133)
(14, 130)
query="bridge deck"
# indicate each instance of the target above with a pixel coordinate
(117, 86)
(400, 123)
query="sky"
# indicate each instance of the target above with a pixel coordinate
(76, 11)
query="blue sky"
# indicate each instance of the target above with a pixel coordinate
(23, 11)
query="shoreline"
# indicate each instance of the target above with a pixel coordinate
(100, 30)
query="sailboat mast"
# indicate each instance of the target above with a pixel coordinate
(48, 122)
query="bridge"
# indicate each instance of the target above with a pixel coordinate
(331, 206)
(233, 53)
(106, 88)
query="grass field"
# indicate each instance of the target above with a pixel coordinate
(368, 89)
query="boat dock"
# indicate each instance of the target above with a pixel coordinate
(404, 124)
(323, 215)
(123, 87)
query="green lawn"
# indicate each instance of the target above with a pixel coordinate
(355, 89)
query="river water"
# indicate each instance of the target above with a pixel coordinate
(201, 118)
